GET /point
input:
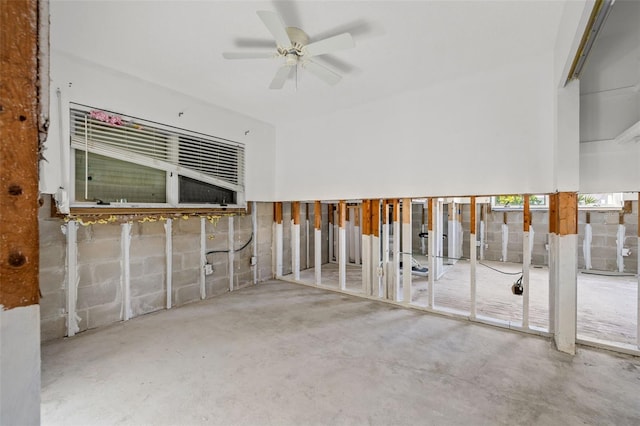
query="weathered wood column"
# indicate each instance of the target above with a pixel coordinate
(317, 241)
(277, 240)
(19, 127)
(563, 263)
(295, 239)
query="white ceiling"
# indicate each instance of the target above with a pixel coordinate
(400, 46)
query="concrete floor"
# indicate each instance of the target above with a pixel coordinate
(606, 304)
(286, 354)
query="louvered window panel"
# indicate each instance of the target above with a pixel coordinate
(130, 161)
(209, 159)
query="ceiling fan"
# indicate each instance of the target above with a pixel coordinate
(293, 45)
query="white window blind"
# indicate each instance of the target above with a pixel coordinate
(206, 158)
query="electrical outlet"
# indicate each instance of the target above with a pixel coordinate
(379, 271)
(208, 269)
(253, 261)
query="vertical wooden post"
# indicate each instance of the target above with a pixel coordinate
(563, 242)
(342, 246)
(406, 250)
(295, 239)
(332, 233)
(278, 238)
(472, 257)
(396, 249)
(20, 117)
(385, 250)
(317, 240)
(19, 155)
(432, 252)
(375, 247)
(366, 248)
(526, 260)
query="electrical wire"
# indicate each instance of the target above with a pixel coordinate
(227, 251)
(479, 263)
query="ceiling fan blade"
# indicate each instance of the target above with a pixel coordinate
(329, 45)
(275, 26)
(248, 55)
(322, 72)
(281, 76)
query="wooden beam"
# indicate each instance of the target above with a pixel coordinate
(375, 218)
(553, 213)
(342, 213)
(396, 210)
(277, 212)
(295, 212)
(385, 214)
(366, 217)
(430, 214)
(19, 244)
(567, 213)
(318, 215)
(526, 219)
(473, 226)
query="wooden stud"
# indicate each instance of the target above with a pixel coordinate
(396, 210)
(375, 218)
(19, 245)
(526, 219)
(277, 212)
(385, 214)
(567, 213)
(621, 218)
(553, 213)
(342, 212)
(318, 215)
(587, 217)
(473, 226)
(295, 212)
(366, 217)
(627, 207)
(430, 215)
(504, 217)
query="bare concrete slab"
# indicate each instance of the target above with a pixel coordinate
(286, 354)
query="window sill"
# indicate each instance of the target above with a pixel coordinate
(130, 210)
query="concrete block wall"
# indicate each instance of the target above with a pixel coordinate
(100, 270)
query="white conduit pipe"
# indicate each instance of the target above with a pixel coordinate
(586, 246)
(505, 241)
(168, 250)
(531, 235)
(619, 247)
(71, 231)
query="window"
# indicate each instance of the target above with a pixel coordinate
(608, 201)
(516, 202)
(132, 162)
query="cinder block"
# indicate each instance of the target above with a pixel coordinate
(152, 229)
(187, 226)
(183, 243)
(52, 328)
(155, 265)
(185, 278)
(143, 247)
(52, 305)
(90, 252)
(50, 233)
(107, 231)
(84, 233)
(147, 284)
(192, 261)
(136, 268)
(52, 257)
(218, 242)
(104, 315)
(190, 293)
(148, 303)
(52, 280)
(83, 321)
(108, 271)
(217, 286)
(98, 294)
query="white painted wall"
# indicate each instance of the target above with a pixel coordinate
(490, 132)
(20, 366)
(91, 84)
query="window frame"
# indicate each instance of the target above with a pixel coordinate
(172, 172)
